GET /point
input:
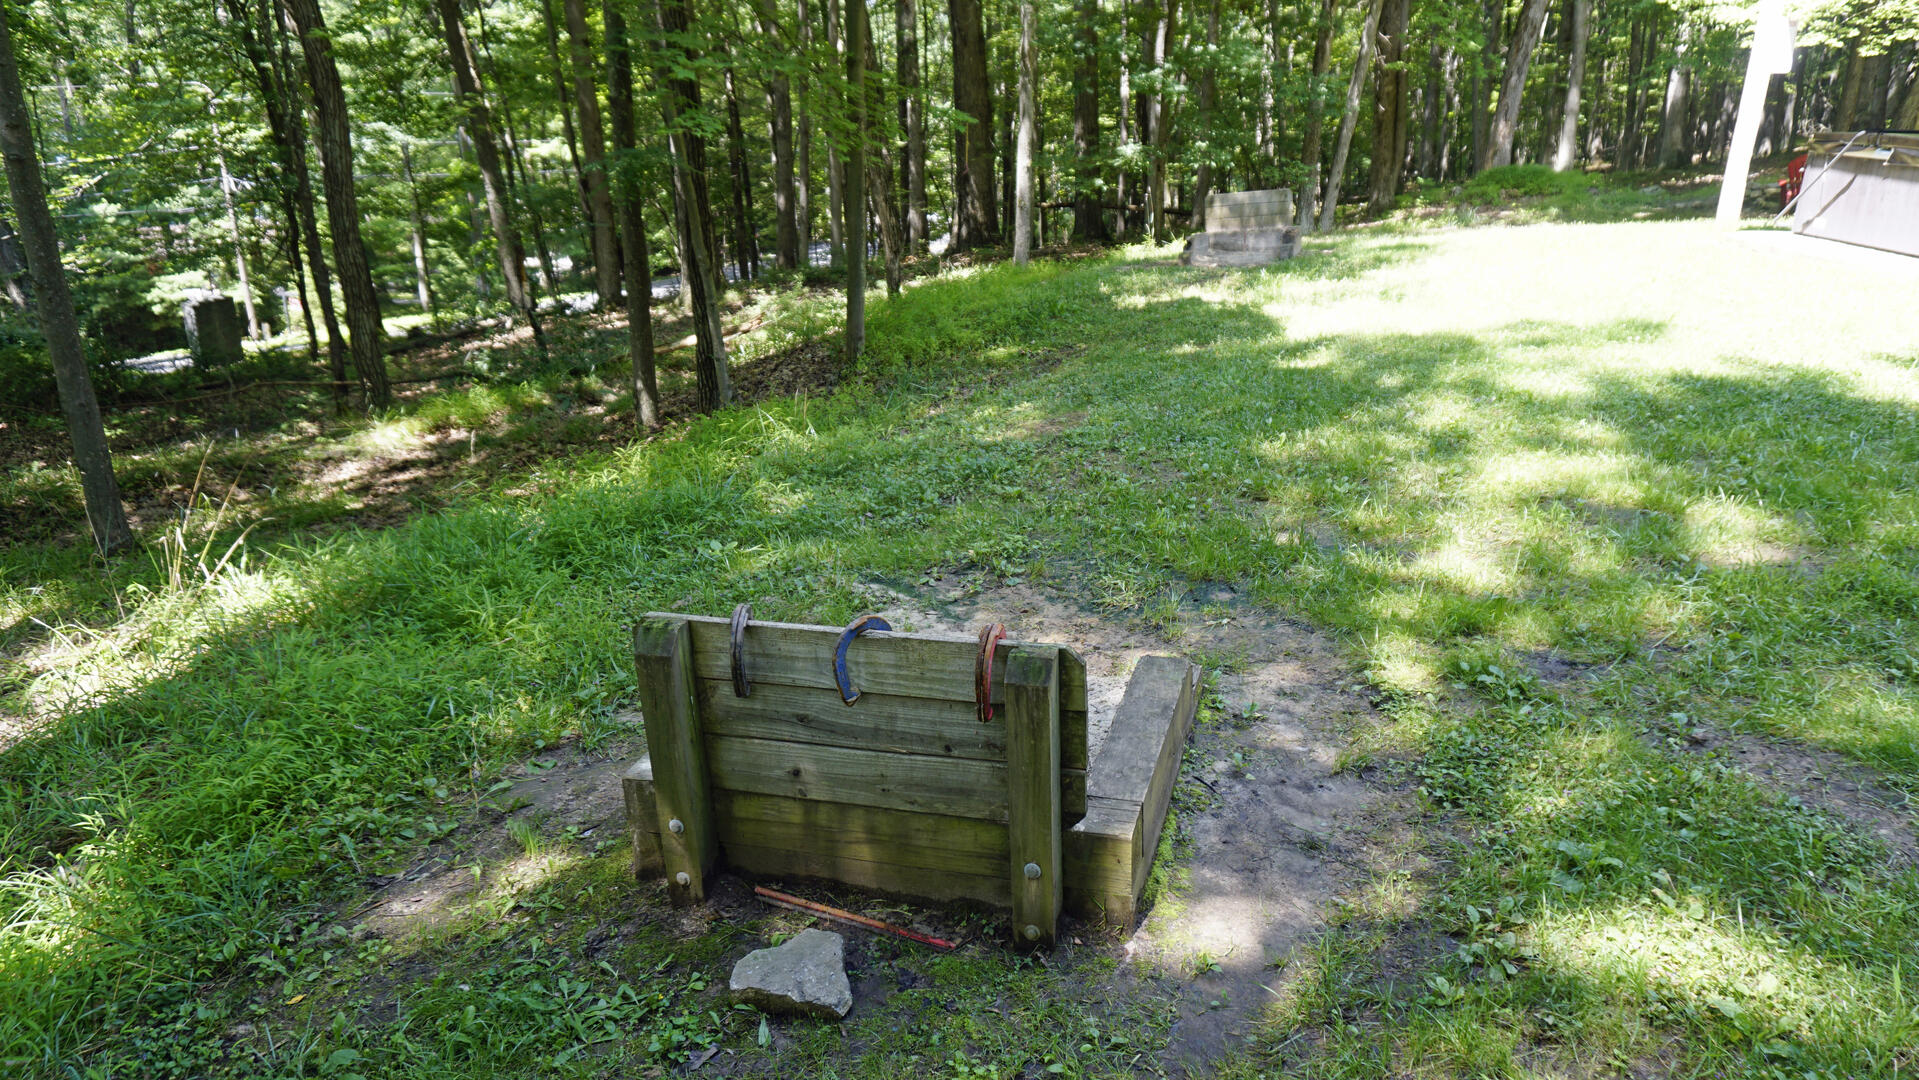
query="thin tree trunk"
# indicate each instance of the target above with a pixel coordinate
(101, 492)
(364, 328)
(628, 201)
(599, 201)
(1161, 117)
(1314, 147)
(906, 47)
(499, 204)
(803, 194)
(1349, 118)
(978, 224)
(699, 269)
(1483, 82)
(1208, 94)
(1567, 150)
(779, 113)
(745, 252)
(1127, 133)
(239, 243)
(279, 95)
(422, 281)
(879, 178)
(835, 168)
(1028, 133)
(1089, 225)
(855, 184)
(1519, 58)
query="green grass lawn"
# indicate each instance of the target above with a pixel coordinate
(1648, 453)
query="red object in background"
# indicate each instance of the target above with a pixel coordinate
(1795, 175)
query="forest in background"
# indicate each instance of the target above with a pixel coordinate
(347, 169)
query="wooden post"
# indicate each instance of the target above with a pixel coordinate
(1032, 796)
(663, 655)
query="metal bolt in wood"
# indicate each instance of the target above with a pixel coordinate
(1032, 871)
(677, 826)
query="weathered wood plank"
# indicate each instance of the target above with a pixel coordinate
(930, 726)
(928, 785)
(926, 842)
(1032, 793)
(881, 662)
(642, 819)
(663, 657)
(1101, 856)
(1173, 729)
(877, 876)
(902, 725)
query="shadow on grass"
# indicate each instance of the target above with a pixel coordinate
(241, 752)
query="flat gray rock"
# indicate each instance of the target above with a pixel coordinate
(805, 976)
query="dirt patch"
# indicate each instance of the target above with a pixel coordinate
(1273, 828)
(1822, 779)
(508, 842)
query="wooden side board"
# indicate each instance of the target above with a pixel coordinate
(1109, 854)
(1106, 857)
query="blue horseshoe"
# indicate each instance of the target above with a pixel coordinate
(859, 626)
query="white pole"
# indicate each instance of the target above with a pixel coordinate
(1771, 53)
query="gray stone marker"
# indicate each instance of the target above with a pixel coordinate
(213, 330)
(805, 976)
(1244, 228)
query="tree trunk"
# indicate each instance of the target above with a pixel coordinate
(364, 329)
(906, 46)
(239, 244)
(1390, 114)
(1314, 147)
(1028, 134)
(422, 280)
(1128, 132)
(1161, 120)
(746, 255)
(699, 269)
(106, 517)
(1430, 108)
(803, 192)
(855, 184)
(13, 266)
(1349, 118)
(287, 126)
(879, 179)
(1519, 58)
(562, 93)
(628, 202)
(973, 137)
(599, 200)
(486, 154)
(835, 168)
(1673, 115)
(1089, 225)
(779, 112)
(1482, 83)
(1208, 96)
(1566, 151)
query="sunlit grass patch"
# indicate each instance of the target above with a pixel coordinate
(1711, 967)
